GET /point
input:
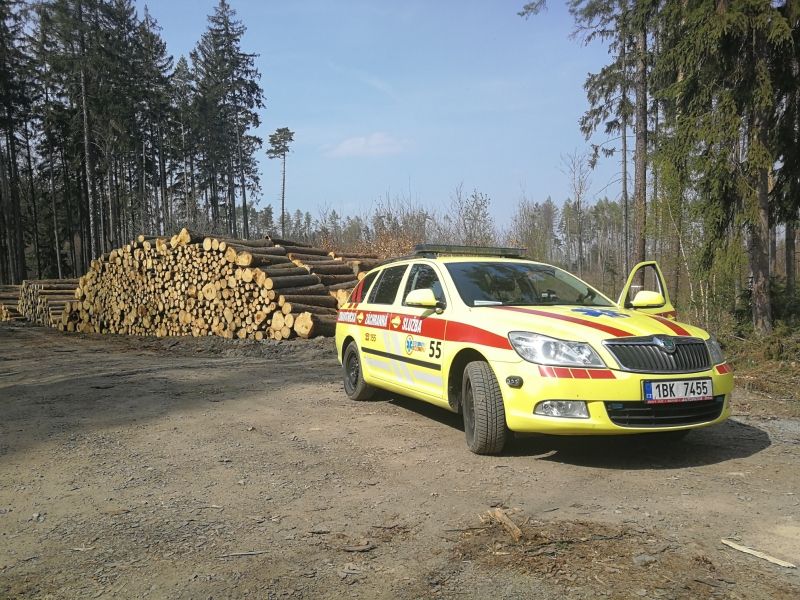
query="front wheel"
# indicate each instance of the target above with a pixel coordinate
(354, 385)
(482, 406)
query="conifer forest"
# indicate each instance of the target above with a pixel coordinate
(106, 135)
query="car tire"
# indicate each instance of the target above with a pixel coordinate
(482, 407)
(354, 385)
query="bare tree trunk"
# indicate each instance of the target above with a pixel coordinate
(283, 195)
(110, 192)
(231, 187)
(245, 216)
(194, 188)
(55, 215)
(143, 191)
(791, 273)
(68, 202)
(758, 250)
(186, 198)
(162, 179)
(640, 176)
(17, 250)
(623, 53)
(773, 251)
(34, 204)
(86, 146)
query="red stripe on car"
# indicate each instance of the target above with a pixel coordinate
(601, 374)
(671, 324)
(461, 332)
(599, 326)
(724, 369)
(546, 371)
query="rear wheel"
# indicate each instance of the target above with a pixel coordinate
(482, 407)
(354, 385)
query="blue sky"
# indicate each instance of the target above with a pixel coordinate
(411, 98)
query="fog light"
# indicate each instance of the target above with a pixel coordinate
(573, 409)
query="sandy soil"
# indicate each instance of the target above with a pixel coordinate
(148, 468)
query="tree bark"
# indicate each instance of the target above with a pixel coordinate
(625, 199)
(93, 247)
(283, 195)
(55, 215)
(34, 205)
(791, 273)
(640, 176)
(245, 216)
(758, 253)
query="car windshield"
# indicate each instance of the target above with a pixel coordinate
(520, 284)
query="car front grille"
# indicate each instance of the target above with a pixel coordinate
(640, 414)
(647, 355)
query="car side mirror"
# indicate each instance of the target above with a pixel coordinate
(423, 298)
(648, 299)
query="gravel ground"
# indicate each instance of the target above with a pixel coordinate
(205, 468)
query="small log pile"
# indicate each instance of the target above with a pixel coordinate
(42, 301)
(9, 301)
(359, 265)
(201, 285)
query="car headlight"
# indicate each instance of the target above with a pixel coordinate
(715, 350)
(544, 350)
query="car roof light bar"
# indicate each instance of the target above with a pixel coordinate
(450, 250)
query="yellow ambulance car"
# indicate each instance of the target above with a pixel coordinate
(517, 345)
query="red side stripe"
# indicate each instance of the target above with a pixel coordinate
(601, 374)
(562, 372)
(600, 326)
(461, 332)
(671, 324)
(565, 373)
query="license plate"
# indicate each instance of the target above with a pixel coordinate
(681, 390)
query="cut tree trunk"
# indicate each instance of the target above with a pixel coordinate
(308, 325)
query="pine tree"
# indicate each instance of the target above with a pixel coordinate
(229, 96)
(12, 101)
(278, 148)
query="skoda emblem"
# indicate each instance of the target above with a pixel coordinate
(666, 343)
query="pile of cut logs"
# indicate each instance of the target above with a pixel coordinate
(42, 301)
(201, 285)
(9, 299)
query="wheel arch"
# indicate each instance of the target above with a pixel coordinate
(347, 341)
(455, 375)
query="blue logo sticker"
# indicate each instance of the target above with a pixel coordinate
(600, 312)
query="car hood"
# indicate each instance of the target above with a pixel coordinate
(582, 323)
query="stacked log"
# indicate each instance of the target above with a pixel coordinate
(42, 301)
(360, 264)
(9, 301)
(203, 285)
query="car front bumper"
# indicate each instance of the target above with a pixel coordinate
(614, 400)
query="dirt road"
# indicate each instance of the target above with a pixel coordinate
(186, 468)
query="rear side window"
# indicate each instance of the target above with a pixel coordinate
(361, 289)
(385, 289)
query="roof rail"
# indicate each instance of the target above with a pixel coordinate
(430, 250)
